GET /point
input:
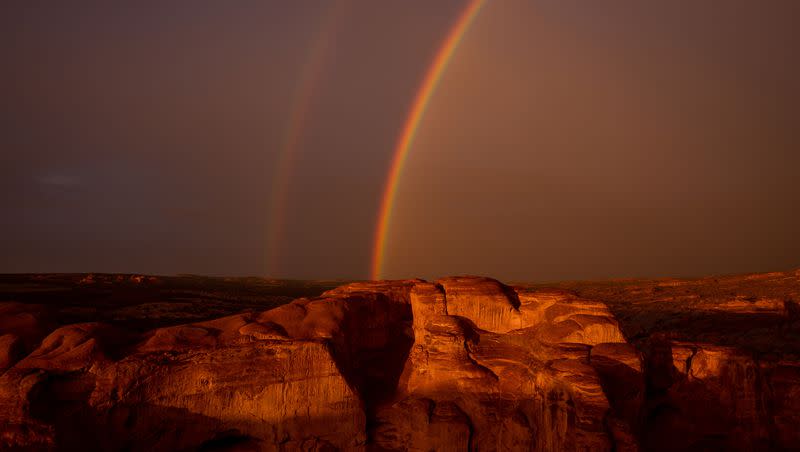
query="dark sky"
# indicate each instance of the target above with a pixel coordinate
(568, 139)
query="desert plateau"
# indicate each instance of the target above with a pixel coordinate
(399, 225)
(150, 363)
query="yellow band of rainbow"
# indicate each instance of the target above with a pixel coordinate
(411, 125)
(310, 74)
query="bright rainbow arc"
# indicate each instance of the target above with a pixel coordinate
(411, 126)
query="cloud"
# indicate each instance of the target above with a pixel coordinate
(59, 180)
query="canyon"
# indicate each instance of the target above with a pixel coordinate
(109, 362)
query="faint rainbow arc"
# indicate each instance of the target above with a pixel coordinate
(424, 94)
(309, 78)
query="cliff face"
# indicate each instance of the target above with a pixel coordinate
(462, 363)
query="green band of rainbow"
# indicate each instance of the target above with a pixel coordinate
(310, 74)
(409, 131)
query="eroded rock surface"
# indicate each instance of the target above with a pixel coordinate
(462, 363)
(721, 355)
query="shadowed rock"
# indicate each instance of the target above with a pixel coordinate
(463, 363)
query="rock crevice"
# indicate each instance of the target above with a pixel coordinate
(462, 363)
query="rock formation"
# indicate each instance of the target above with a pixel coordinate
(463, 363)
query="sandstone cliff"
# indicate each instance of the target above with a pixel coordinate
(464, 363)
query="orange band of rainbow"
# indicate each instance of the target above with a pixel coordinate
(310, 75)
(409, 131)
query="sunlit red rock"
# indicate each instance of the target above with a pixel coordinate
(463, 363)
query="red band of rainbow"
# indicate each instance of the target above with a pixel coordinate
(409, 131)
(310, 74)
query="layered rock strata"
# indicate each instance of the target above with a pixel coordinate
(463, 363)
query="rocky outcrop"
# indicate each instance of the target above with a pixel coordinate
(498, 372)
(721, 359)
(463, 363)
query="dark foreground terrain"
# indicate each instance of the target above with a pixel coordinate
(132, 362)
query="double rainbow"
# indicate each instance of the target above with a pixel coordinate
(411, 126)
(313, 68)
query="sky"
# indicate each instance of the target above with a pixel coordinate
(565, 140)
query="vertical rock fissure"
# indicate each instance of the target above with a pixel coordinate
(444, 297)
